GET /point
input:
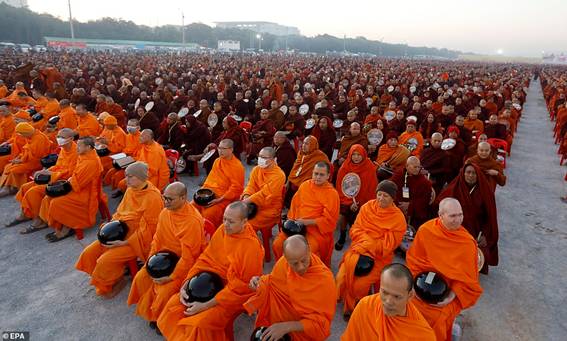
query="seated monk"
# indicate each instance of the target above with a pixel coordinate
(16, 143)
(171, 133)
(48, 110)
(444, 246)
(153, 155)
(357, 162)
(261, 135)
(285, 154)
(316, 206)
(434, 160)
(491, 168)
(114, 176)
(67, 115)
(26, 162)
(31, 194)
(139, 210)
(264, 189)
(376, 233)
(294, 298)
(7, 124)
(472, 123)
(179, 230)
(472, 189)
(77, 209)
(415, 194)
(354, 137)
(87, 125)
(411, 138)
(21, 100)
(391, 153)
(302, 169)
(391, 314)
(113, 138)
(235, 254)
(226, 180)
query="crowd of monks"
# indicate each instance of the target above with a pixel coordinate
(367, 155)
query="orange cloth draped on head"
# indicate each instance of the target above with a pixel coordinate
(303, 167)
(321, 203)
(236, 258)
(181, 232)
(453, 255)
(369, 322)
(366, 170)
(376, 233)
(284, 296)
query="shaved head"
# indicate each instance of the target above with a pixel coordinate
(483, 150)
(269, 151)
(297, 253)
(413, 165)
(66, 132)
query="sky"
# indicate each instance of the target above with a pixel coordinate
(509, 27)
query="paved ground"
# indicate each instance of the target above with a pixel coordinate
(524, 297)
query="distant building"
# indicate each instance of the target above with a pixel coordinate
(228, 45)
(260, 27)
(16, 3)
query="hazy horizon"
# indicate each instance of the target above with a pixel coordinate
(512, 28)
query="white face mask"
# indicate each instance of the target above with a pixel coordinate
(262, 162)
(61, 141)
(131, 130)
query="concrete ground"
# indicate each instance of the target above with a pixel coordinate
(524, 297)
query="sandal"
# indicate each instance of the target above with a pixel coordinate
(16, 221)
(53, 238)
(32, 229)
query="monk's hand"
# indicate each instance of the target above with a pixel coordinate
(244, 198)
(482, 241)
(254, 283)
(194, 308)
(492, 172)
(16, 161)
(116, 243)
(447, 300)
(276, 331)
(215, 201)
(43, 171)
(183, 297)
(162, 280)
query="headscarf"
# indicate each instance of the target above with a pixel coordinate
(366, 170)
(303, 167)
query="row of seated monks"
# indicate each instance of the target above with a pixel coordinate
(424, 150)
(553, 81)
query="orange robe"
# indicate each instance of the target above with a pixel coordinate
(158, 170)
(182, 233)
(395, 157)
(366, 170)
(453, 255)
(376, 232)
(369, 322)
(265, 189)
(67, 119)
(490, 163)
(88, 125)
(115, 141)
(7, 128)
(302, 169)
(50, 109)
(284, 296)
(78, 208)
(114, 176)
(17, 142)
(139, 209)
(321, 203)
(236, 259)
(31, 194)
(225, 179)
(36, 147)
(3, 91)
(475, 126)
(405, 137)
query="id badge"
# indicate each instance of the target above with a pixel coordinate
(405, 192)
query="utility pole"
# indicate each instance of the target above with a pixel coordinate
(344, 43)
(71, 20)
(182, 28)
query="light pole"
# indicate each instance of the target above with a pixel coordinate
(71, 20)
(182, 28)
(259, 37)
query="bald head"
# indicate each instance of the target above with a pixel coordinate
(66, 133)
(227, 143)
(483, 150)
(413, 165)
(175, 196)
(451, 213)
(297, 253)
(268, 152)
(146, 136)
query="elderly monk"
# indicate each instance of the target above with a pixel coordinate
(347, 141)
(113, 138)
(87, 125)
(294, 298)
(392, 153)
(264, 189)
(358, 163)
(376, 233)
(77, 209)
(391, 314)
(48, 110)
(285, 154)
(139, 209)
(472, 123)
(434, 161)
(315, 205)
(67, 115)
(114, 176)
(235, 254)
(411, 138)
(153, 155)
(179, 230)
(415, 194)
(444, 246)
(31, 194)
(226, 180)
(26, 162)
(492, 168)
(7, 124)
